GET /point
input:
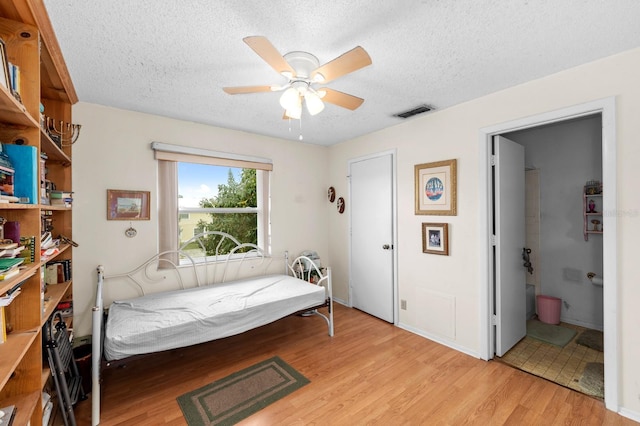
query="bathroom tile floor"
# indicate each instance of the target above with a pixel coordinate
(560, 365)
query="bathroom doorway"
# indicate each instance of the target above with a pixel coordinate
(559, 159)
(605, 110)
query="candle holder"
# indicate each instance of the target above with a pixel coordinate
(64, 134)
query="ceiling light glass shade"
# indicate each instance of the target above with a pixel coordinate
(313, 102)
(290, 98)
(295, 113)
(296, 110)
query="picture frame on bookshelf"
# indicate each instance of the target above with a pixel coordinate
(4, 66)
(128, 205)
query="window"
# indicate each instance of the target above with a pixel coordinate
(205, 190)
(217, 198)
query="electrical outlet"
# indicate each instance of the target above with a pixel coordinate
(403, 304)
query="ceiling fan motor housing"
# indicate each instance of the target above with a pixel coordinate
(303, 63)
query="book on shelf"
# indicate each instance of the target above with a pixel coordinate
(7, 173)
(58, 271)
(12, 252)
(29, 252)
(3, 325)
(5, 78)
(7, 244)
(9, 274)
(7, 263)
(44, 199)
(8, 298)
(15, 80)
(56, 195)
(67, 202)
(24, 159)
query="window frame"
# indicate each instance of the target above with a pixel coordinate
(168, 157)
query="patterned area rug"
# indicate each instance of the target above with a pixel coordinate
(548, 333)
(235, 397)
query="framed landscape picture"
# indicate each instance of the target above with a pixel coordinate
(435, 186)
(435, 238)
(128, 205)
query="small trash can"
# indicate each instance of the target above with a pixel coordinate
(549, 309)
(82, 355)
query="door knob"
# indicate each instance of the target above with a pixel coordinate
(386, 247)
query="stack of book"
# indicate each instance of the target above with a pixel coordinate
(9, 267)
(48, 246)
(61, 198)
(10, 250)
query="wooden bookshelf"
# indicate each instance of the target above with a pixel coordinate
(30, 43)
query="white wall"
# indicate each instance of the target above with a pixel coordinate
(113, 153)
(567, 155)
(453, 133)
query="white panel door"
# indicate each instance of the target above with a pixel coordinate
(510, 278)
(371, 210)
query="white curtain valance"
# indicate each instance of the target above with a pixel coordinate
(167, 152)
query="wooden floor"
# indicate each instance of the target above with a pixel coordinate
(369, 373)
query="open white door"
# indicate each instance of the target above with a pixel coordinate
(509, 229)
(371, 210)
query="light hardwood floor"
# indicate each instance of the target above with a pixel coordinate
(369, 373)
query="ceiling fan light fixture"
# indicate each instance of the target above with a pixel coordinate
(318, 78)
(313, 103)
(290, 98)
(295, 113)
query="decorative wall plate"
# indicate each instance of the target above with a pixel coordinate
(331, 194)
(130, 232)
(340, 205)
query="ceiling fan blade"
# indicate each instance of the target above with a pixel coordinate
(341, 99)
(348, 62)
(269, 54)
(246, 89)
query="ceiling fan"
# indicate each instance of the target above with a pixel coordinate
(303, 71)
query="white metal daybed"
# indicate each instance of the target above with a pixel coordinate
(208, 305)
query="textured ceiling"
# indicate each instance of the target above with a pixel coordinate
(172, 58)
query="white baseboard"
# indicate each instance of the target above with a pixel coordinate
(440, 340)
(630, 414)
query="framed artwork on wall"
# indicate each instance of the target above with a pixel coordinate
(436, 188)
(435, 238)
(128, 205)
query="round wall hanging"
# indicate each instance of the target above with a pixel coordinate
(331, 194)
(130, 232)
(340, 205)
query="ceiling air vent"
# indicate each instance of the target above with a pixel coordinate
(418, 110)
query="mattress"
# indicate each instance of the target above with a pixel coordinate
(170, 320)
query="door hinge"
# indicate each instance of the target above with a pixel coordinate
(492, 240)
(494, 319)
(492, 160)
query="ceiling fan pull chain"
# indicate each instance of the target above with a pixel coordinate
(300, 137)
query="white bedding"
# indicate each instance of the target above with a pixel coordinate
(170, 320)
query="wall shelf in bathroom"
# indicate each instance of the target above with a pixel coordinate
(588, 216)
